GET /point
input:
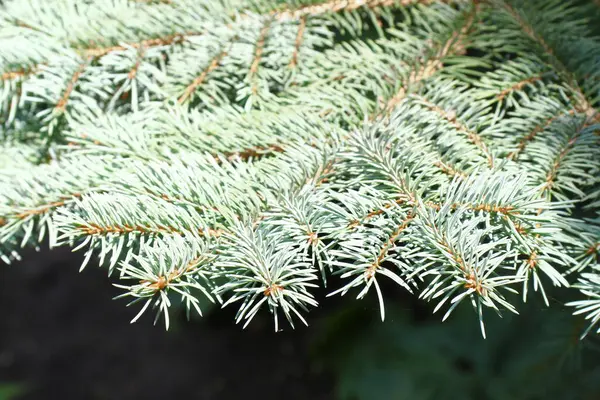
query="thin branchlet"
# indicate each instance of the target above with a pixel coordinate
(582, 103)
(471, 135)
(525, 140)
(517, 86)
(61, 105)
(200, 79)
(372, 269)
(298, 42)
(95, 229)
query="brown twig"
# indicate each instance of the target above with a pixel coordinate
(138, 60)
(12, 75)
(44, 208)
(506, 211)
(583, 105)
(62, 102)
(372, 269)
(415, 77)
(279, 15)
(202, 77)
(553, 172)
(95, 229)
(273, 290)
(97, 52)
(453, 46)
(517, 86)
(258, 53)
(593, 249)
(255, 152)
(163, 282)
(473, 136)
(449, 169)
(525, 140)
(335, 6)
(298, 42)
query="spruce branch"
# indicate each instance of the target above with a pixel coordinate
(137, 218)
(61, 105)
(336, 6)
(162, 271)
(589, 285)
(258, 53)
(202, 77)
(517, 86)
(172, 39)
(298, 42)
(525, 140)
(14, 75)
(247, 152)
(460, 127)
(465, 263)
(582, 103)
(362, 261)
(264, 274)
(453, 46)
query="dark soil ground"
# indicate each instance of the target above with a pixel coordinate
(63, 337)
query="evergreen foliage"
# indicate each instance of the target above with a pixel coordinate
(247, 151)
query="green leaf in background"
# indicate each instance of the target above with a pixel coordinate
(10, 391)
(537, 355)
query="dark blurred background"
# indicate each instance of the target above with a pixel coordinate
(63, 337)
